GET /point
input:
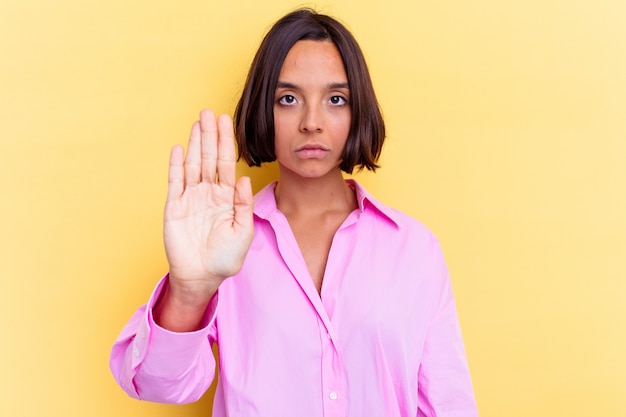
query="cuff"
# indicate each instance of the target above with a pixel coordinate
(162, 351)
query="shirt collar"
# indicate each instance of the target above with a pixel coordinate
(265, 203)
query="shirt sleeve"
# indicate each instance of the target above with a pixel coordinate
(153, 364)
(445, 388)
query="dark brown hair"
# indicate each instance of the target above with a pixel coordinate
(254, 115)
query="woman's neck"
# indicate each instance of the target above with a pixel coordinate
(296, 195)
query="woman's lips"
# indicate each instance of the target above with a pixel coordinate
(311, 152)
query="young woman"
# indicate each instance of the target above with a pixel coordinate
(322, 300)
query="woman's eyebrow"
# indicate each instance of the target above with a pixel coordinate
(284, 84)
(331, 86)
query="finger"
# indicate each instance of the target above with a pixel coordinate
(192, 160)
(208, 128)
(176, 179)
(244, 202)
(226, 160)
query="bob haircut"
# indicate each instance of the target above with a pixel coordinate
(254, 114)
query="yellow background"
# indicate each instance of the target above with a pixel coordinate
(507, 137)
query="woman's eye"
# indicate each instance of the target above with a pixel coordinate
(337, 100)
(287, 99)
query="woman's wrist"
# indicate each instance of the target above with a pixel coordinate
(182, 308)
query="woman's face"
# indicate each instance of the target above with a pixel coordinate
(312, 113)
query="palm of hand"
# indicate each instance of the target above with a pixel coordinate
(202, 235)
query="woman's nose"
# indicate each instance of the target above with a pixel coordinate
(312, 119)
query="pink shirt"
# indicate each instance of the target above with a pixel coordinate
(382, 340)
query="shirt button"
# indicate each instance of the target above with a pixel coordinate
(333, 395)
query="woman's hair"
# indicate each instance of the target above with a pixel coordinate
(254, 115)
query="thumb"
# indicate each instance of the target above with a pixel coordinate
(244, 202)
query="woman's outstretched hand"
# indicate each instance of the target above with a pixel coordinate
(208, 223)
